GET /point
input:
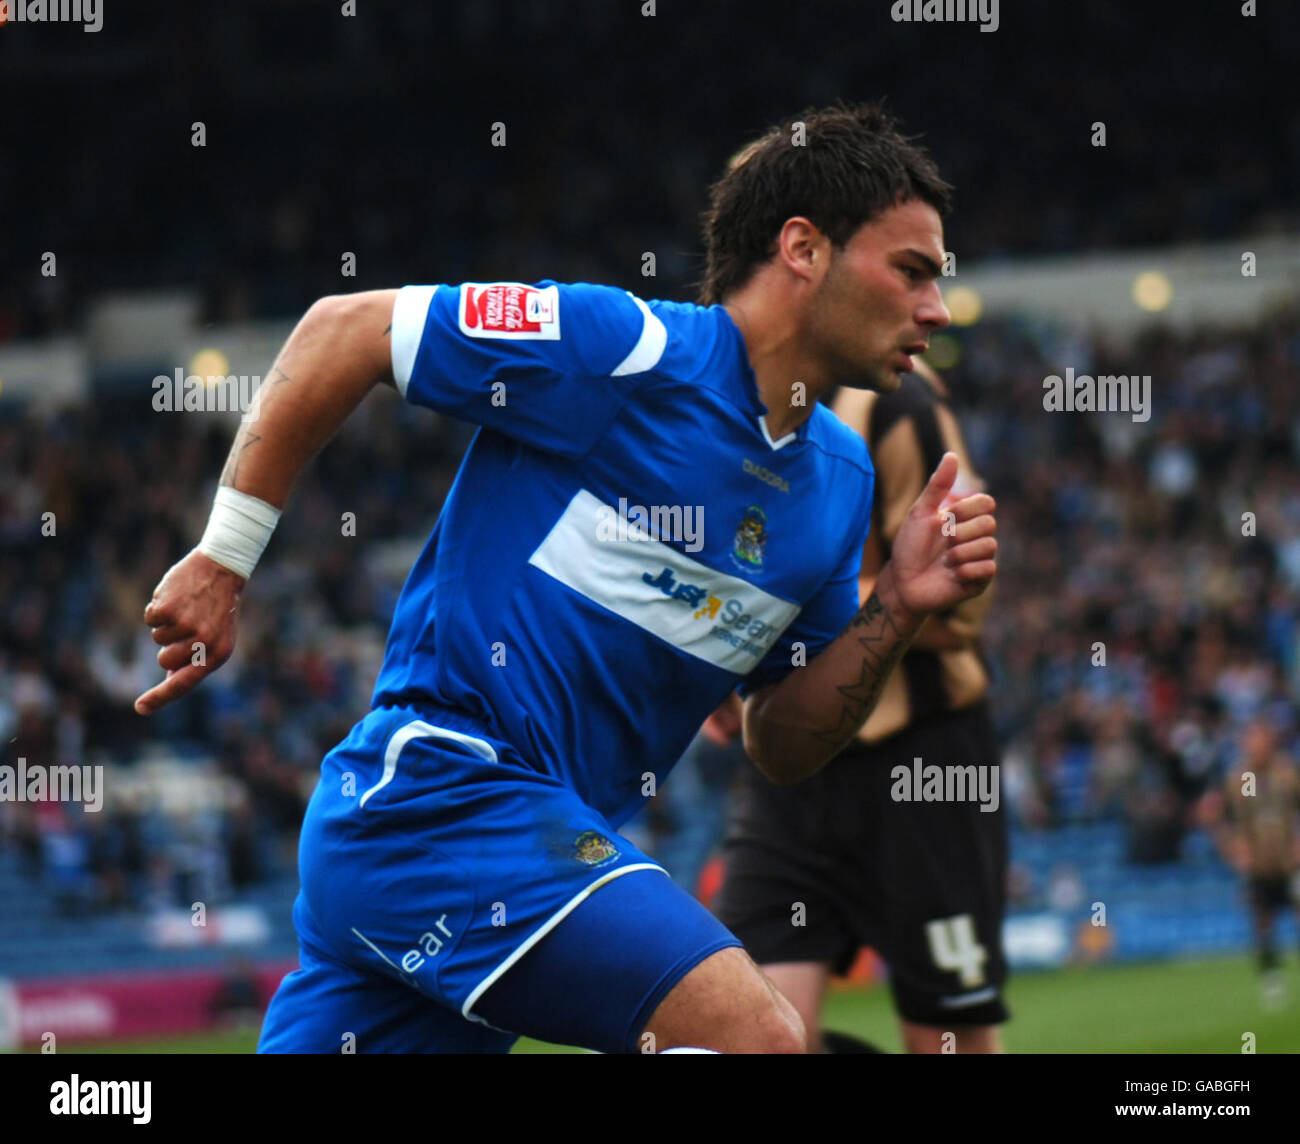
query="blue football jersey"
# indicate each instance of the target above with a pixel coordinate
(624, 543)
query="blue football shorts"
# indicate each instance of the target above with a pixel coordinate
(452, 899)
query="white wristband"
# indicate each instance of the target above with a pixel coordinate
(238, 530)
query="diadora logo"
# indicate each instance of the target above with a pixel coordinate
(766, 476)
(731, 613)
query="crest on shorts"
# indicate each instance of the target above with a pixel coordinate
(594, 849)
(751, 538)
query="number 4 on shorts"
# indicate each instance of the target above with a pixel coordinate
(953, 947)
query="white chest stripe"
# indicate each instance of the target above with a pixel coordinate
(720, 619)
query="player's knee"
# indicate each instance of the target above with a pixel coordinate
(783, 1030)
(786, 1023)
(765, 1028)
(727, 1005)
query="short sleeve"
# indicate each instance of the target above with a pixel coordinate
(549, 364)
(821, 620)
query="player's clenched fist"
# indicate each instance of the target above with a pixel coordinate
(944, 553)
(194, 603)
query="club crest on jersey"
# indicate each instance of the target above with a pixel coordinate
(751, 538)
(594, 849)
(510, 310)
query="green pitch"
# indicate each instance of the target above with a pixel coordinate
(1170, 1007)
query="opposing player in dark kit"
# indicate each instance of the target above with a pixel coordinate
(920, 881)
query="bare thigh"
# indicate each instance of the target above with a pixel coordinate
(803, 984)
(728, 1005)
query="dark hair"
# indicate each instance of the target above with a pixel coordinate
(845, 166)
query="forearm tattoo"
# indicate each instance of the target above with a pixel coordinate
(883, 645)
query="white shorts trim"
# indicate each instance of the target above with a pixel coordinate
(419, 729)
(554, 920)
(964, 1000)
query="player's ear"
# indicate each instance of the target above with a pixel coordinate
(802, 248)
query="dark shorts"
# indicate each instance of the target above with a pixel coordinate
(453, 899)
(1269, 892)
(863, 855)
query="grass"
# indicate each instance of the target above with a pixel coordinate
(1199, 1006)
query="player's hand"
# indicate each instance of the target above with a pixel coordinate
(192, 615)
(944, 552)
(722, 727)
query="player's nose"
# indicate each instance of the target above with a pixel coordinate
(932, 313)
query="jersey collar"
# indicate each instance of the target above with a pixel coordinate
(752, 402)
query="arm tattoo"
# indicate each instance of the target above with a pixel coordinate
(246, 437)
(878, 630)
(869, 611)
(230, 474)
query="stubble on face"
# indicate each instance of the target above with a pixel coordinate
(865, 309)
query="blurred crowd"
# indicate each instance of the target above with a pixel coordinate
(1141, 614)
(1148, 598)
(133, 855)
(324, 135)
(129, 495)
(1147, 606)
